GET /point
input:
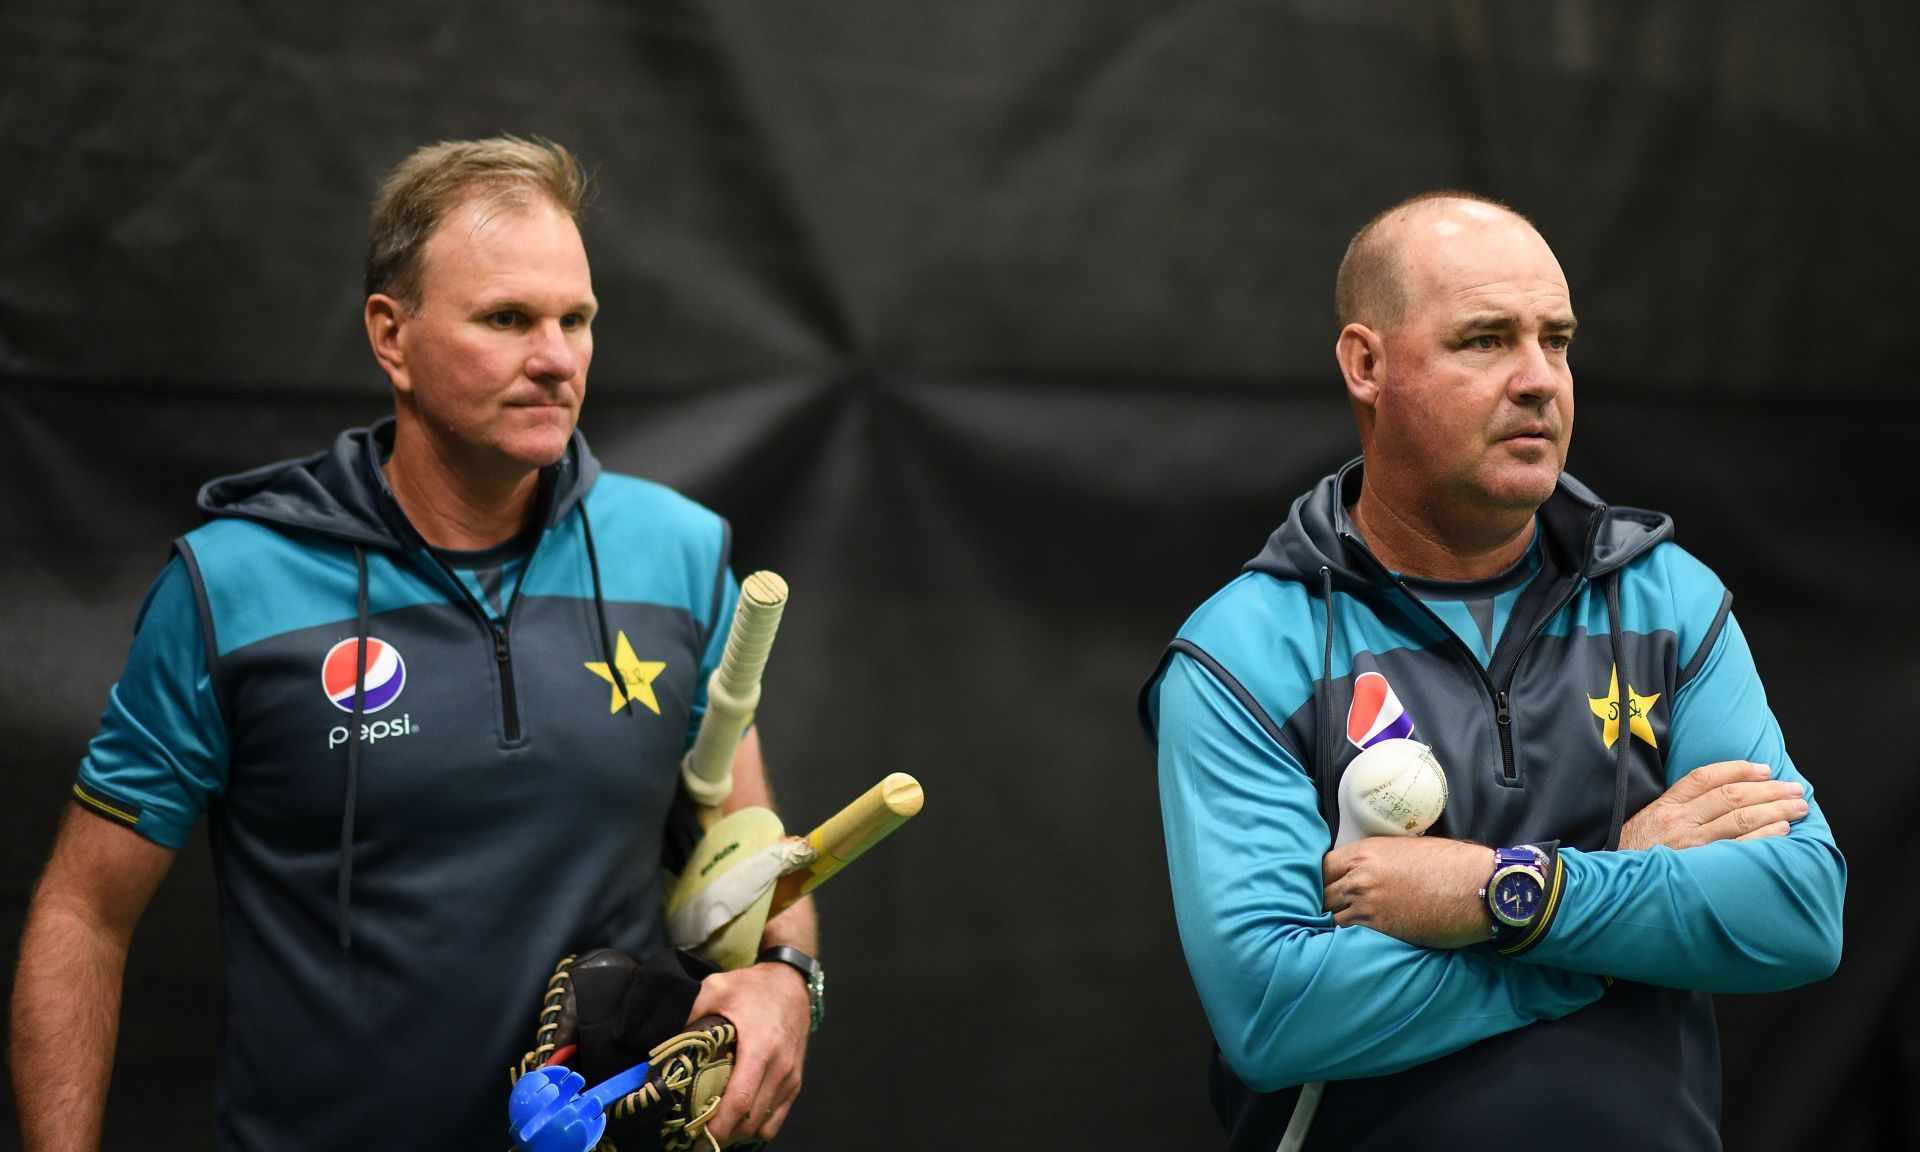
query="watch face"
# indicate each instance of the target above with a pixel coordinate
(1516, 896)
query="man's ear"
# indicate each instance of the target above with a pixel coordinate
(386, 319)
(1363, 361)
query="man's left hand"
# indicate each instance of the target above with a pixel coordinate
(1420, 889)
(768, 1006)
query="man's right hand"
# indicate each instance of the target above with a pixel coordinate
(1730, 800)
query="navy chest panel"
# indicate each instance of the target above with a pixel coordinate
(1564, 731)
(438, 755)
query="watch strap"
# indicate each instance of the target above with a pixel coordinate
(810, 970)
(1512, 941)
(789, 955)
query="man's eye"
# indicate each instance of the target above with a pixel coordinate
(1559, 343)
(573, 321)
(506, 318)
(1483, 343)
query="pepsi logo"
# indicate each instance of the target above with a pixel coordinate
(1376, 713)
(386, 674)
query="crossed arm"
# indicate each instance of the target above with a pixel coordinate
(1710, 891)
(1425, 890)
(1289, 998)
(1729, 882)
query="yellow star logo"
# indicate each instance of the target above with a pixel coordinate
(636, 677)
(1608, 709)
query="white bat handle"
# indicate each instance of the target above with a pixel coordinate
(733, 691)
(1395, 788)
(1303, 1110)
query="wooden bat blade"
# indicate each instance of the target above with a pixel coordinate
(735, 839)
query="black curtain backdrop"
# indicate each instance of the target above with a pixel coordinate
(1004, 332)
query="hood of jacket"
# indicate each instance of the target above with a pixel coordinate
(1592, 537)
(342, 492)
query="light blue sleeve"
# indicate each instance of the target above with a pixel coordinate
(1757, 916)
(1291, 998)
(716, 644)
(161, 753)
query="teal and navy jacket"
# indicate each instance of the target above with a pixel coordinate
(404, 849)
(1559, 706)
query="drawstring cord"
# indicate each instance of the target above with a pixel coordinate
(600, 608)
(1329, 805)
(1620, 711)
(361, 634)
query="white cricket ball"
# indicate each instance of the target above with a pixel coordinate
(1394, 788)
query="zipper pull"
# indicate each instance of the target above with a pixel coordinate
(1501, 716)
(500, 647)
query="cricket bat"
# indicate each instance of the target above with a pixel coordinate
(746, 870)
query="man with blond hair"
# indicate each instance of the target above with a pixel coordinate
(431, 688)
(1624, 832)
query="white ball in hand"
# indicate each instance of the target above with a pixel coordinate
(1394, 788)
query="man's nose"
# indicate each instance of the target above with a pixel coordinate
(552, 355)
(1535, 377)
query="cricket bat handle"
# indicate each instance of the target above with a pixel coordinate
(1393, 788)
(850, 832)
(733, 691)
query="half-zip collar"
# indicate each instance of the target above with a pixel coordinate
(342, 494)
(1581, 537)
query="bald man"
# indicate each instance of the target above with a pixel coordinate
(1625, 832)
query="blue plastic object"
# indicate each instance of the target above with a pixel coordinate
(548, 1113)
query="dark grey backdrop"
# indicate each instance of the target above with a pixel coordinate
(1003, 330)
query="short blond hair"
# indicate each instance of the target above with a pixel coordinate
(439, 178)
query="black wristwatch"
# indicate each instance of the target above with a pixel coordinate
(807, 966)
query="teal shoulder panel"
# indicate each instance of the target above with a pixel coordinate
(654, 546)
(161, 752)
(260, 582)
(1263, 632)
(1666, 590)
(1671, 590)
(1270, 634)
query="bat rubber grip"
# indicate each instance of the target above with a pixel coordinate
(733, 691)
(763, 597)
